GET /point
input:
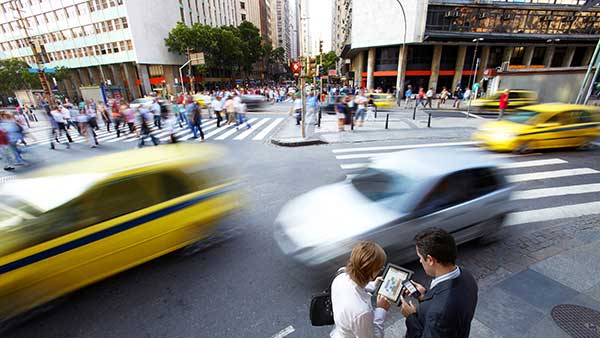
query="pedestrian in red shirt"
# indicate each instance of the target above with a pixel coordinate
(503, 103)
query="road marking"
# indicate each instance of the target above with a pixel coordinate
(249, 131)
(233, 131)
(411, 146)
(268, 129)
(353, 166)
(551, 174)
(355, 156)
(557, 191)
(218, 130)
(4, 179)
(284, 332)
(548, 214)
(535, 163)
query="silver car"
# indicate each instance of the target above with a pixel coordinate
(389, 202)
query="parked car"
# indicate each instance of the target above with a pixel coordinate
(389, 202)
(516, 98)
(68, 226)
(552, 125)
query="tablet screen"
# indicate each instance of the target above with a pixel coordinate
(392, 283)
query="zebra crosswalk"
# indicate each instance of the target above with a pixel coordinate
(547, 188)
(259, 129)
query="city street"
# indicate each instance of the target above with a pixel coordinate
(239, 284)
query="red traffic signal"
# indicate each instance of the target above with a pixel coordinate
(296, 67)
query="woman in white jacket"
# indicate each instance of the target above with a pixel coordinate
(353, 312)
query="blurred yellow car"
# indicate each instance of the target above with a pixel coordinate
(71, 225)
(552, 125)
(516, 99)
(382, 100)
(202, 100)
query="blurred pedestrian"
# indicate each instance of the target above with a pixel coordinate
(241, 116)
(503, 103)
(408, 95)
(297, 108)
(430, 93)
(129, 116)
(60, 121)
(340, 113)
(458, 96)
(361, 110)
(156, 112)
(229, 108)
(195, 121)
(117, 117)
(443, 97)
(105, 115)
(217, 106)
(145, 118)
(351, 293)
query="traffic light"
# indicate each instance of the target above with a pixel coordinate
(320, 46)
(312, 66)
(296, 68)
(322, 71)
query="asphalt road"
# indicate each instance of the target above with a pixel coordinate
(239, 284)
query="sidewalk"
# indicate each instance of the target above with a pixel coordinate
(555, 297)
(447, 125)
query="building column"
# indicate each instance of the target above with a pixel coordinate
(548, 56)
(360, 61)
(460, 65)
(84, 76)
(402, 56)
(144, 78)
(131, 78)
(95, 75)
(507, 54)
(76, 80)
(435, 67)
(528, 56)
(117, 75)
(483, 62)
(371, 70)
(587, 57)
(568, 56)
(169, 79)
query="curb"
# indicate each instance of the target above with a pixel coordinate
(292, 142)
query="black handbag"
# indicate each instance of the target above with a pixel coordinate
(321, 309)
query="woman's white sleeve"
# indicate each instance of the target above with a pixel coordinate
(370, 324)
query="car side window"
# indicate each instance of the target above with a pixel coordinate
(483, 182)
(115, 199)
(172, 185)
(585, 117)
(514, 95)
(443, 195)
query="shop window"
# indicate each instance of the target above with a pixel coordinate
(419, 57)
(517, 56)
(559, 56)
(538, 56)
(449, 55)
(578, 57)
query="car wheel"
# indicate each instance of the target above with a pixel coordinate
(523, 148)
(492, 226)
(586, 145)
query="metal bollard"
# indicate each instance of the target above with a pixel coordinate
(351, 121)
(415, 112)
(319, 119)
(376, 112)
(429, 121)
(387, 120)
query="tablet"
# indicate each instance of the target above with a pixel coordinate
(393, 276)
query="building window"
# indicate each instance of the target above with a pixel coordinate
(129, 45)
(118, 24)
(578, 57)
(181, 11)
(517, 56)
(538, 56)
(243, 17)
(242, 5)
(125, 24)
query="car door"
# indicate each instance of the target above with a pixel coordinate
(556, 131)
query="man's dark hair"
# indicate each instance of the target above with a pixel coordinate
(437, 243)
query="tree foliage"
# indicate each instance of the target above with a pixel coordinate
(14, 75)
(329, 60)
(227, 50)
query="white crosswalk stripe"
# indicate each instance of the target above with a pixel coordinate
(574, 200)
(260, 126)
(251, 130)
(268, 129)
(233, 131)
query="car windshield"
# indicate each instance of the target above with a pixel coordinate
(523, 117)
(383, 186)
(41, 194)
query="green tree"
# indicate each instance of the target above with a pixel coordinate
(252, 48)
(62, 73)
(14, 75)
(329, 60)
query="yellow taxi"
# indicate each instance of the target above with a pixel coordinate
(201, 99)
(516, 98)
(552, 125)
(68, 226)
(382, 100)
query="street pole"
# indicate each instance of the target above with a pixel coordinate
(190, 72)
(473, 62)
(469, 108)
(591, 86)
(302, 84)
(181, 75)
(400, 86)
(320, 75)
(36, 55)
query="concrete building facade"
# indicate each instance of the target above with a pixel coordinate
(284, 27)
(116, 42)
(445, 38)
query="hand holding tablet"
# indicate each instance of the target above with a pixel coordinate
(393, 278)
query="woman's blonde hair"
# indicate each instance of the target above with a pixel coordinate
(366, 259)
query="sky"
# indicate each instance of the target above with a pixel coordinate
(320, 21)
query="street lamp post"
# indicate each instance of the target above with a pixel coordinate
(469, 84)
(399, 85)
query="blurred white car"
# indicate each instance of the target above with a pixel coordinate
(389, 202)
(145, 102)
